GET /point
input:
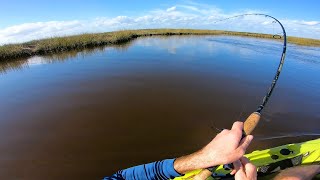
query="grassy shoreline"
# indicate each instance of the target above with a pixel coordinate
(78, 42)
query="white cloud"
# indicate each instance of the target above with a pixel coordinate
(188, 15)
(202, 10)
(172, 9)
(310, 23)
(31, 31)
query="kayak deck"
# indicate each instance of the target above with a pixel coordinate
(274, 159)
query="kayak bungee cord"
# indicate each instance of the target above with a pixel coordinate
(252, 121)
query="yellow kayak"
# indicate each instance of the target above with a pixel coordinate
(272, 160)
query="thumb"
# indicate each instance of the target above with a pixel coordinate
(245, 142)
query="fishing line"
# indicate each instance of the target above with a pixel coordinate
(282, 58)
(286, 136)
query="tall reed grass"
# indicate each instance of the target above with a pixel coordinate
(82, 41)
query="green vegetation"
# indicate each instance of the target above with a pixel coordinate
(83, 41)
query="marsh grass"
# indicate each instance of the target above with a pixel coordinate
(83, 41)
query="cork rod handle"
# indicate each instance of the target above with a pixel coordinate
(251, 122)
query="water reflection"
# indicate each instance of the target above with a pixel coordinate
(101, 110)
(248, 47)
(169, 43)
(20, 64)
(16, 65)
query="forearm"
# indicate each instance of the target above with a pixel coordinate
(186, 163)
(191, 162)
(166, 169)
(157, 170)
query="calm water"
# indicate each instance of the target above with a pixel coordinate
(84, 115)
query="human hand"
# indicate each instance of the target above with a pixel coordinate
(244, 170)
(225, 148)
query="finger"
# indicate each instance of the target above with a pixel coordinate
(244, 160)
(249, 167)
(244, 143)
(236, 167)
(237, 128)
(224, 131)
(233, 172)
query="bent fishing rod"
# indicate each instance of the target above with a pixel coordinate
(252, 121)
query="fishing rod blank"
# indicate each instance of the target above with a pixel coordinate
(252, 121)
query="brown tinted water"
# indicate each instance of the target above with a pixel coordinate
(85, 115)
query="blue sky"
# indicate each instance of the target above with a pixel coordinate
(26, 20)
